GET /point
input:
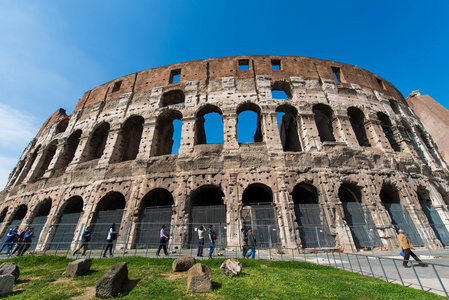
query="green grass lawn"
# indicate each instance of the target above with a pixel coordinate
(41, 278)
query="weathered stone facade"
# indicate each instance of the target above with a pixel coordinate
(346, 132)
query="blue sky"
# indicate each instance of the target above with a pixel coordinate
(53, 51)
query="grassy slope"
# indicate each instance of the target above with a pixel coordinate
(41, 278)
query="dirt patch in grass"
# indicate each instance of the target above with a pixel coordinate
(64, 279)
(174, 276)
(89, 292)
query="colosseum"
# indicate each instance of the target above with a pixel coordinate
(337, 160)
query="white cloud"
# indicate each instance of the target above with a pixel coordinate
(16, 128)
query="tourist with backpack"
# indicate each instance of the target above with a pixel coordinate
(112, 236)
(212, 237)
(244, 241)
(11, 236)
(85, 239)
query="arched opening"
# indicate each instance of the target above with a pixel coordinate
(62, 126)
(313, 229)
(249, 124)
(156, 209)
(3, 214)
(358, 218)
(259, 213)
(172, 97)
(207, 209)
(409, 137)
(19, 215)
(435, 222)
(281, 90)
(164, 135)
(323, 119)
(28, 165)
(399, 215)
(69, 150)
(40, 219)
(394, 106)
(97, 143)
(46, 159)
(209, 126)
(385, 123)
(109, 210)
(288, 128)
(67, 223)
(357, 120)
(425, 141)
(130, 136)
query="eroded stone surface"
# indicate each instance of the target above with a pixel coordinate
(347, 136)
(183, 263)
(199, 279)
(231, 267)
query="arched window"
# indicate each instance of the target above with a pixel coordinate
(323, 119)
(156, 209)
(129, 139)
(394, 106)
(312, 224)
(259, 213)
(357, 120)
(288, 128)
(28, 164)
(358, 218)
(172, 97)
(425, 141)
(46, 159)
(97, 143)
(388, 131)
(163, 140)
(209, 126)
(249, 123)
(62, 126)
(69, 150)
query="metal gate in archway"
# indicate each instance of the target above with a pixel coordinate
(205, 216)
(360, 222)
(262, 218)
(150, 224)
(435, 222)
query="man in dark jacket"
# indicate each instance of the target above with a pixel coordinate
(251, 243)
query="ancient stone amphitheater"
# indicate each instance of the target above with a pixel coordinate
(338, 160)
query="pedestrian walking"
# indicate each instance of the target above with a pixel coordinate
(407, 247)
(163, 238)
(11, 236)
(251, 243)
(26, 243)
(112, 236)
(20, 239)
(212, 237)
(244, 241)
(85, 239)
(201, 231)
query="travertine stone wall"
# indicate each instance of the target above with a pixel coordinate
(149, 102)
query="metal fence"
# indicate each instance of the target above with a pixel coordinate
(320, 247)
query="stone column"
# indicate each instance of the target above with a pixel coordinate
(308, 132)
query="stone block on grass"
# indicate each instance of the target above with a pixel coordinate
(113, 281)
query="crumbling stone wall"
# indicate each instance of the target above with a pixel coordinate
(346, 127)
